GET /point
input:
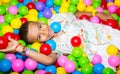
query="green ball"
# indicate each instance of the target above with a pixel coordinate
(27, 72)
(2, 55)
(23, 10)
(76, 64)
(43, 19)
(1, 73)
(2, 10)
(6, 7)
(1, 33)
(119, 21)
(29, 45)
(87, 69)
(83, 61)
(106, 11)
(22, 42)
(77, 52)
(13, 2)
(96, 1)
(8, 17)
(115, 16)
(72, 8)
(57, 2)
(18, 16)
(107, 70)
(95, 4)
(70, 57)
(74, 2)
(2, 25)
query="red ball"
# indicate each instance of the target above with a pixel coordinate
(118, 28)
(104, 4)
(30, 5)
(16, 37)
(23, 20)
(3, 42)
(48, 73)
(112, 23)
(75, 41)
(9, 35)
(84, 17)
(102, 21)
(20, 1)
(118, 11)
(56, 64)
(42, 1)
(45, 49)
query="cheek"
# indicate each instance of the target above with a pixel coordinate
(44, 37)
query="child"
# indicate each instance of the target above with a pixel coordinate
(95, 37)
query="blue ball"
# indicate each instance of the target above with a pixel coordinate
(40, 66)
(49, 3)
(57, 9)
(98, 68)
(27, 1)
(52, 43)
(76, 72)
(5, 65)
(40, 14)
(56, 27)
(16, 31)
(18, 55)
(51, 68)
(19, 5)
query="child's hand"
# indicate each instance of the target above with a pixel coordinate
(11, 46)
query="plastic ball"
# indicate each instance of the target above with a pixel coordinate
(42, 1)
(27, 1)
(83, 61)
(63, 10)
(16, 23)
(10, 57)
(98, 68)
(22, 42)
(2, 55)
(94, 19)
(56, 8)
(110, 3)
(40, 72)
(8, 17)
(1, 19)
(74, 2)
(5, 65)
(77, 52)
(18, 55)
(118, 72)
(23, 20)
(57, 2)
(118, 11)
(32, 18)
(100, 9)
(30, 64)
(87, 69)
(72, 8)
(33, 12)
(18, 65)
(12, 10)
(61, 70)
(19, 5)
(14, 73)
(5, 1)
(71, 57)
(62, 60)
(45, 49)
(112, 8)
(55, 26)
(27, 72)
(30, 5)
(52, 43)
(96, 4)
(3, 42)
(23, 10)
(112, 23)
(16, 37)
(69, 66)
(117, 2)
(51, 69)
(96, 59)
(20, 1)
(9, 35)
(87, 2)
(112, 50)
(65, 4)
(43, 19)
(6, 29)
(81, 7)
(2, 10)
(49, 3)
(114, 61)
(40, 66)
(75, 41)
(36, 46)
(13, 2)
(89, 9)
(47, 13)
(84, 17)
(107, 70)
(40, 6)
(76, 72)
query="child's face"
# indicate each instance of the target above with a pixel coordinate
(39, 32)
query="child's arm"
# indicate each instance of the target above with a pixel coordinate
(102, 16)
(39, 57)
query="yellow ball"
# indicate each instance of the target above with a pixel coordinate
(90, 9)
(0, 2)
(53, 12)
(16, 23)
(33, 12)
(110, 3)
(63, 10)
(32, 18)
(81, 7)
(80, 1)
(65, 4)
(6, 29)
(112, 50)
(61, 70)
(36, 46)
(117, 2)
(118, 72)
(5, 1)
(14, 73)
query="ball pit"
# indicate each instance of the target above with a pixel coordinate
(15, 12)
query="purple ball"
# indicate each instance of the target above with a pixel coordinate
(109, 1)
(47, 13)
(40, 6)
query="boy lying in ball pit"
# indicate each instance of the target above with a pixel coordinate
(95, 37)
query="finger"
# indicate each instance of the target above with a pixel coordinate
(4, 50)
(12, 40)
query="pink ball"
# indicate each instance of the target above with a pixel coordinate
(88, 2)
(112, 8)
(18, 65)
(96, 59)
(62, 60)
(1, 19)
(10, 57)
(40, 72)
(94, 19)
(13, 10)
(100, 9)
(69, 66)
(114, 61)
(30, 64)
